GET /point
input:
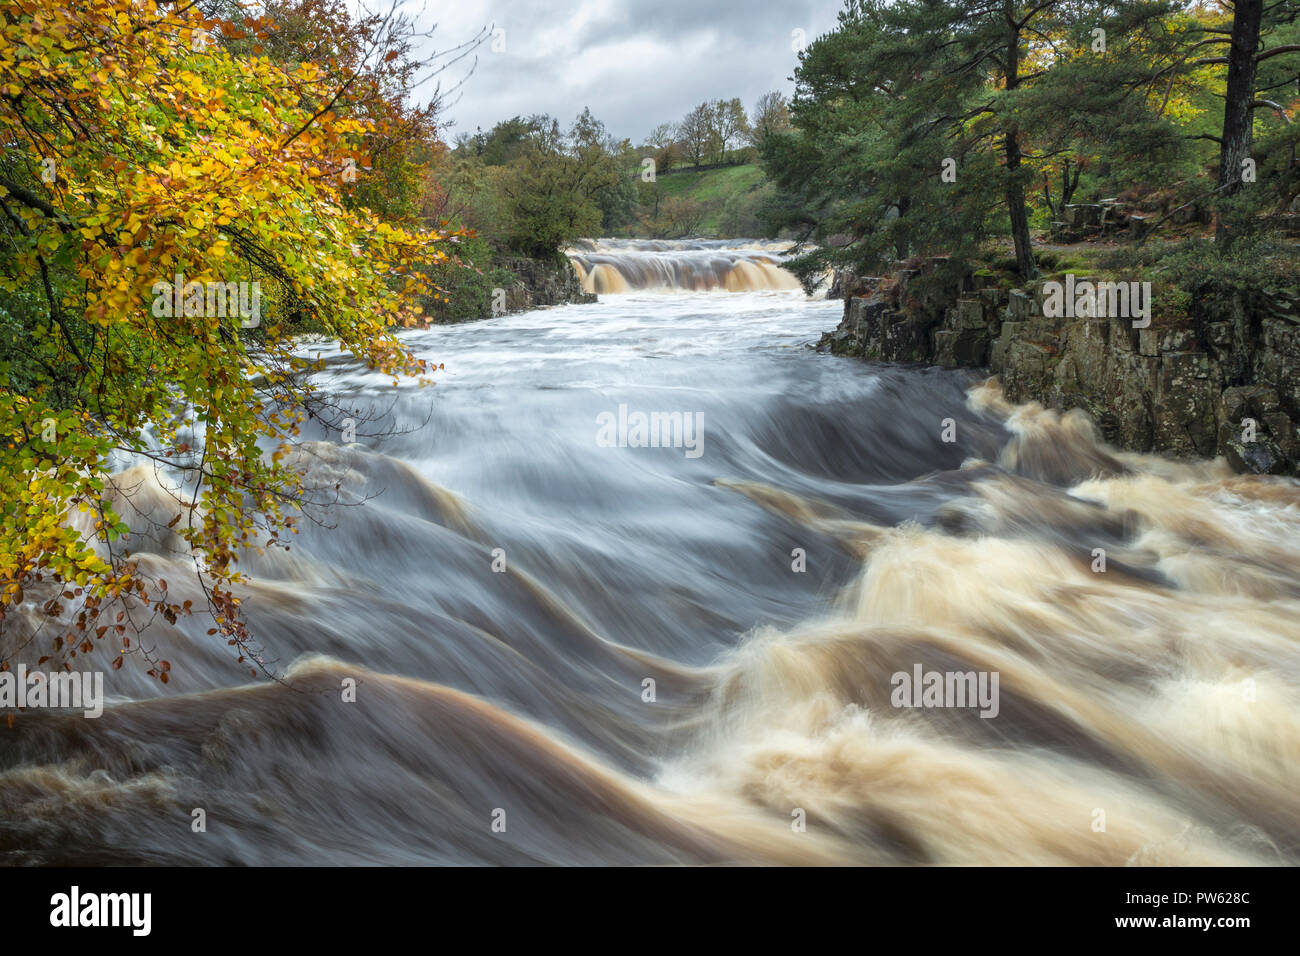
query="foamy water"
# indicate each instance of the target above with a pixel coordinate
(1147, 712)
(620, 266)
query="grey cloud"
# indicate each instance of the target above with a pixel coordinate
(636, 63)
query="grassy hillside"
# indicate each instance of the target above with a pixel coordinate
(712, 184)
(712, 202)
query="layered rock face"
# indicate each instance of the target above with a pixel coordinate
(1223, 380)
(1085, 220)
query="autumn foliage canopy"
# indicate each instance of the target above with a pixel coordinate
(145, 143)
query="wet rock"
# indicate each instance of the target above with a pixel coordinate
(1149, 341)
(1259, 457)
(961, 348)
(1185, 403)
(1019, 306)
(845, 284)
(1179, 389)
(970, 314)
(541, 282)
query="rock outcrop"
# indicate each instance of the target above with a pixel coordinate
(540, 282)
(1221, 380)
(1110, 216)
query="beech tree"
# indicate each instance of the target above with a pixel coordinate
(771, 115)
(696, 132)
(140, 151)
(730, 124)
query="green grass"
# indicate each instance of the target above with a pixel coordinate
(711, 188)
(711, 185)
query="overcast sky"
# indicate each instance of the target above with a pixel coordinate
(636, 63)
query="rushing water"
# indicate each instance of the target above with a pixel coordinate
(705, 265)
(503, 577)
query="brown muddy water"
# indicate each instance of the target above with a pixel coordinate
(569, 649)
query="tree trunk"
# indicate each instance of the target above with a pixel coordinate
(1068, 185)
(1237, 119)
(1015, 191)
(900, 244)
(1015, 196)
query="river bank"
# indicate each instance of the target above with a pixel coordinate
(1218, 378)
(540, 283)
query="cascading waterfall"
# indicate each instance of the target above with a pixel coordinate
(694, 265)
(631, 655)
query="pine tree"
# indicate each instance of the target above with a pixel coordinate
(1252, 23)
(921, 124)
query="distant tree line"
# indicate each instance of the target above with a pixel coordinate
(530, 186)
(717, 132)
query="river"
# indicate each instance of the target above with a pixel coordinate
(524, 634)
